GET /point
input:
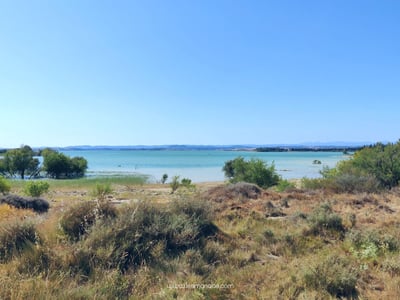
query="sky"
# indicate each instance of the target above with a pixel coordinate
(203, 72)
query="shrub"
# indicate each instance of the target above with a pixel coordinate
(15, 238)
(312, 183)
(186, 182)
(101, 191)
(285, 185)
(371, 244)
(78, 219)
(38, 260)
(174, 184)
(343, 183)
(36, 204)
(254, 171)
(144, 233)
(323, 221)
(36, 188)
(371, 168)
(350, 183)
(335, 275)
(164, 178)
(4, 186)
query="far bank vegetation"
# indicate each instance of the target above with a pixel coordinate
(24, 162)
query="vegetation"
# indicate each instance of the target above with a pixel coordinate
(19, 162)
(4, 186)
(101, 191)
(219, 241)
(253, 171)
(184, 183)
(164, 178)
(36, 188)
(58, 165)
(371, 169)
(36, 204)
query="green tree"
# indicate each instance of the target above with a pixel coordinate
(58, 165)
(20, 162)
(252, 171)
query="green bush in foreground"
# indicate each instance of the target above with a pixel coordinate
(36, 188)
(253, 171)
(4, 186)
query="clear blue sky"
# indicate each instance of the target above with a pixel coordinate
(198, 72)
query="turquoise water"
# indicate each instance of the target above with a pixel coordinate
(199, 165)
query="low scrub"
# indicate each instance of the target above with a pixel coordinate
(371, 244)
(16, 238)
(36, 204)
(78, 219)
(36, 188)
(101, 191)
(335, 275)
(4, 186)
(343, 183)
(323, 221)
(145, 234)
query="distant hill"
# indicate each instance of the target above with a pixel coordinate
(309, 146)
(245, 147)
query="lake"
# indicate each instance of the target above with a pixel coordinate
(199, 165)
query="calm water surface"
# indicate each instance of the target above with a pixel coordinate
(198, 165)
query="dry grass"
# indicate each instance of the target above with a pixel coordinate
(263, 249)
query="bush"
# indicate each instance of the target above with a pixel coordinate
(38, 260)
(144, 233)
(174, 184)
(323, 221)
(253, 171)
(285, 185)
(16, 238)
(101, 191)
(343, 183)
(4, 186)
(164, 178)
(78, 219)
(36, 188)
(335, 275)
(371, 244)
(371, 168)
(36, 204)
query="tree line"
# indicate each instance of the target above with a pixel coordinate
(24, 163)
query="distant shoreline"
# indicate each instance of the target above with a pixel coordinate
(250, 148)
